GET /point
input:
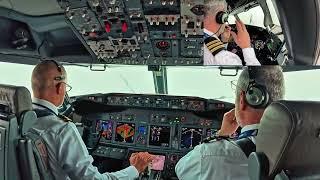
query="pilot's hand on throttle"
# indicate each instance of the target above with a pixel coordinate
(229, 124)
(242, 38)
(225, 36)
(141, 160)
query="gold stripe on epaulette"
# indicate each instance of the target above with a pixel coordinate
(216, 48)
(215, 45)
(212, 42)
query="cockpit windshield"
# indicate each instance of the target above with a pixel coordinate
(205, 82)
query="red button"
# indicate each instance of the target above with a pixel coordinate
(124, 27)
(107, 26)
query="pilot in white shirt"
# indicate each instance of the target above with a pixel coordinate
(65, 161)
(215, 53)
(223, 159)
(68, 157)
(225, 57)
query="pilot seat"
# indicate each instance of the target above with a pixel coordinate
(23, 155)
(288, 142)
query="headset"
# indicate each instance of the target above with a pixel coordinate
(59, 68)
(256, 94)
(222, 17)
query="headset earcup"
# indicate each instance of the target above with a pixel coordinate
(222, 17)
(257, 96)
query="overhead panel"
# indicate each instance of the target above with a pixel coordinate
(134, 32)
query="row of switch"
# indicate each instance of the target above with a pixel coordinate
(172, 19)
(163, 2)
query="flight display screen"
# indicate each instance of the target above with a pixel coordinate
(190, 137)
(125, 132)
(105, 127)
(159, 136)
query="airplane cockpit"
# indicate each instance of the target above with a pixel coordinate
(138, 80)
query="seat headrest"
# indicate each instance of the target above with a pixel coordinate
(289, 135)
(15, 99)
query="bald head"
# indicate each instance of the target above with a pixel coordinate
(46, 76)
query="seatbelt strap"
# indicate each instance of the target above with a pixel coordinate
(246, 145)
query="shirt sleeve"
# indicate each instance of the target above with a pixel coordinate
(250, 57)
(189, 166)
(74, 158)
(218, 161)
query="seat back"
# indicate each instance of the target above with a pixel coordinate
(288, 142)
(23, 154)
(14, 103)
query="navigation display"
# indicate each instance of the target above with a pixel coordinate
(105, 127)
(190, 137)
(159, 136)
(125, 132)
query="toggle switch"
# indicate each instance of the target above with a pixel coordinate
(172, 21)
(116, 9)
(109, 9)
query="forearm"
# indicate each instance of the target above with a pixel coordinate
(250, 57)
(129, 173)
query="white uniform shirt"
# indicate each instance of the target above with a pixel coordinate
(68, 155)
(225, 57)
(218, 160)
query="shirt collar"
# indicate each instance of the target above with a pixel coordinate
(45, 103)
(206, 31)
(250, 127)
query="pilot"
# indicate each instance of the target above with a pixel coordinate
(68, 156)
(215, 18)
(221, 158)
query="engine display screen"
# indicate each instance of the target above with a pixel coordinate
(125, 132)
(159, 136)
(190, 137)
(105, 127)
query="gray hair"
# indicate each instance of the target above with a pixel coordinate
(212, 7)
(269, 76)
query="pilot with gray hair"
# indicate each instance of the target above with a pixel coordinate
(220, 156)
(215, 53)
(68, 157)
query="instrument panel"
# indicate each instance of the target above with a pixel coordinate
(118, 130)
(148, 32)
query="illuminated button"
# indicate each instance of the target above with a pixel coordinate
(107, 26)
(124, 27)
(174, 36)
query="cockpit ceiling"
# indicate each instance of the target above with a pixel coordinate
(33, 7)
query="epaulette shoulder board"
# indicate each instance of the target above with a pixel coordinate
(64, 118)
(214, 45)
